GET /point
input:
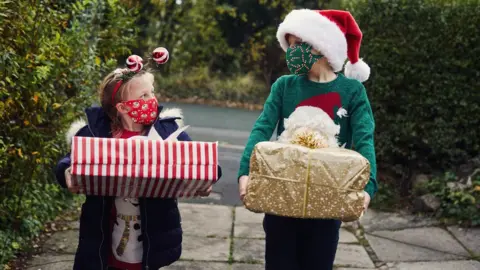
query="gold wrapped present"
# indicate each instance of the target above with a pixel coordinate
(296, 181)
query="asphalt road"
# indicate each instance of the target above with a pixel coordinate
(231, 128)
(225, 191)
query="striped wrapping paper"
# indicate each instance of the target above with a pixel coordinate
(142, 168)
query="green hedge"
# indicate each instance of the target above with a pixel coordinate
(200, 83)
(424, 87)
(53, 56)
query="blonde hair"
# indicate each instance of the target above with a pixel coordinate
(108, 102)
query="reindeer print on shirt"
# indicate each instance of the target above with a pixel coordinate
(127, 235)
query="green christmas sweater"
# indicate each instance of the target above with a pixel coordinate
(343, 99)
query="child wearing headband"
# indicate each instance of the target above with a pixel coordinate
(121, 233)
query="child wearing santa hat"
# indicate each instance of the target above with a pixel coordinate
(316, 43)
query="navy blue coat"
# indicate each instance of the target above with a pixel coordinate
(161, 228)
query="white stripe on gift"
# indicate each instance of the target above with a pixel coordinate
(190, 182)
(104, 167)
(202, 167)
(153, 168)
(137, 167)
(111, 148)
(96, 160)
(87, 168)
(121, 154)
(145, 168)
(128, 175)
(79, 161)
(169, 167)
(177, 181)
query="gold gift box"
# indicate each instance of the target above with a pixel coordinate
(296, 181)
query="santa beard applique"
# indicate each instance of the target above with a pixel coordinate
(127, 236)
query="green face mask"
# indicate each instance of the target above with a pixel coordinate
(300, 58)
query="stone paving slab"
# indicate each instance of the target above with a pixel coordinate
(196, 265)
(246, 266)
(394, 251)
(469, 237)
(205, 248)
(207, 243)
(248, 250)
(353, 256)
(343, 268)
(377, 221)
(422, 237)
(62, 242)
(51, 262)
(449, 265)
(347, 237)
(248, 224)
(206, 220)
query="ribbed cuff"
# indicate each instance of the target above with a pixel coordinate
(370, 189)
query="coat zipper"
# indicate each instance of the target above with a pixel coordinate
(146, 233)
(103, 235)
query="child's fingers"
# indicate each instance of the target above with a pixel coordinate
(242, 186)
(204, 193)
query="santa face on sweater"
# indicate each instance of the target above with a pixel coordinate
(127, 235)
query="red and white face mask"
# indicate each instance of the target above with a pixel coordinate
(142, 111)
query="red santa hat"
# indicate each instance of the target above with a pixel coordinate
(334, 33)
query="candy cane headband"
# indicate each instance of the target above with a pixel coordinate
(135, 64)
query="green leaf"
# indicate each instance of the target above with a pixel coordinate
(15, 245)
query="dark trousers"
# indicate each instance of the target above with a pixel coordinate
(300, 244)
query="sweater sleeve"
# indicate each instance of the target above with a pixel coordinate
(264, 126)
(363, 127)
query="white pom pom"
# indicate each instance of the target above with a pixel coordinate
(359, 71)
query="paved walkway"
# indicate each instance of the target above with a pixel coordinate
(231, 238)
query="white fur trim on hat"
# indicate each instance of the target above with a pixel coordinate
(318, 31)
(359, 71)
(173, 112)
(73, 130)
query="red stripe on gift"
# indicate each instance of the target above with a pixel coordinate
(132, 168)
(215, 165)
(203, 169)
(189, 162)
(177, 179)
(75, 153)
(82, 177)
(141, 179)
(121, 168)
(151, 169)
(102, 166)
(116, 169)
(93, 166)
(159, 173)
(113, 169)
(186, 184)
(91, 182)
(138, 168)
(196, 158)
(168, 174)
(158, 169)
(126, 164)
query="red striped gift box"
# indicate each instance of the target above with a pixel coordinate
(142, 168)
